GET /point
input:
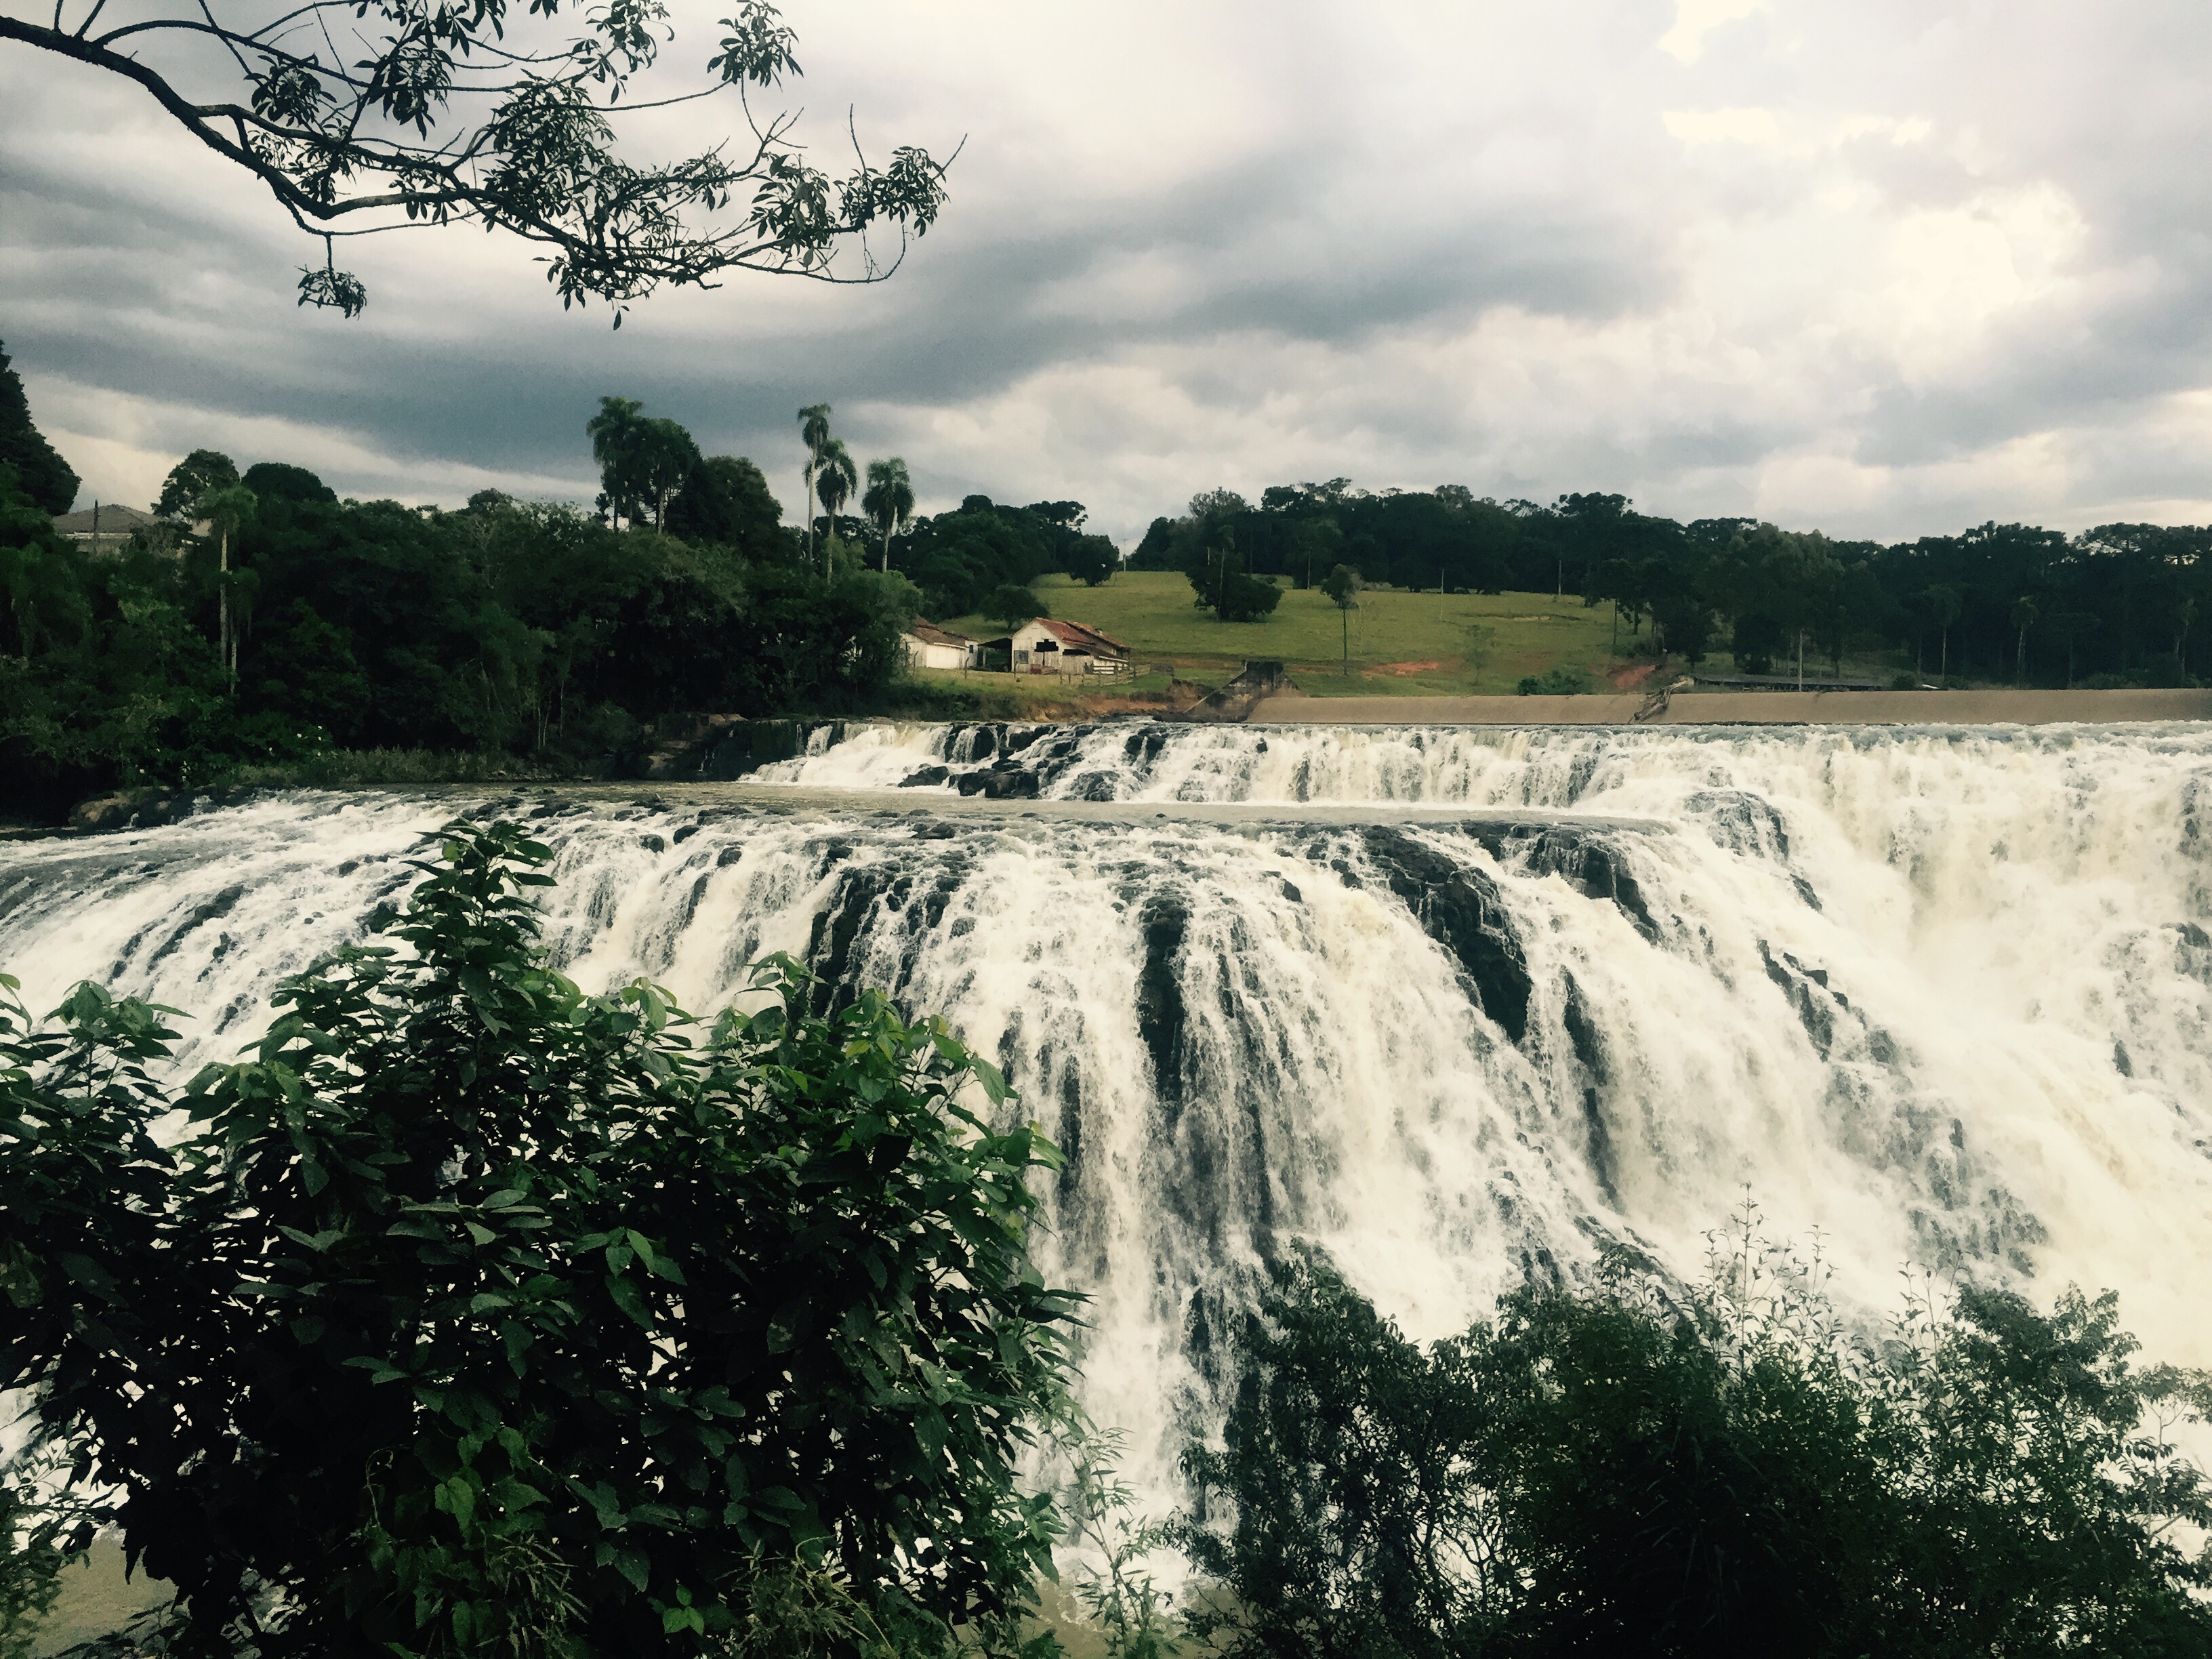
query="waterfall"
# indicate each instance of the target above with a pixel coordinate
(1463, 1005)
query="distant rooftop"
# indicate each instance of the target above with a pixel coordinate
(104, 519)
(930, 634)
(1083, 637)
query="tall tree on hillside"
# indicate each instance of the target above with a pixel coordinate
(835, 482)
(226, 512)
(1092, 560)
(1342, 587)
(814, 433)
(526, 139)
(615, 433)
(41, 473)
(889, 501)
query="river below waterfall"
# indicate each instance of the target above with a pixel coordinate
(1461, 1005)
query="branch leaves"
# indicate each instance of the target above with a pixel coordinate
(357, 149)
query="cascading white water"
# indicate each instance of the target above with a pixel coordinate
(1940, 994)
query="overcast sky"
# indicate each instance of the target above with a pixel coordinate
(1887, 268)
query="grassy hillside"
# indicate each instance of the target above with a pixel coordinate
(1400, 642)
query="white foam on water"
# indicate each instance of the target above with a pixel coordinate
(1944, 996)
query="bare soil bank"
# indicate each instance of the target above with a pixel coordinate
(1994, 707)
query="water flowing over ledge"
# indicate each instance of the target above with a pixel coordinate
(1461, 1004)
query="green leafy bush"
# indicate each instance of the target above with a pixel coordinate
(1625, 1469)
(37, 1542)
(1565, 680)
(475, 1314)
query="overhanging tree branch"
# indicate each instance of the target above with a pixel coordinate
(529, 145)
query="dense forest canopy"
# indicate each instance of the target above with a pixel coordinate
(267, 621)
(2008, 602)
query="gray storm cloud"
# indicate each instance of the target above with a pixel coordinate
(1888, 269)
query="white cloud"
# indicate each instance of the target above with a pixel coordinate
(1892, 268)
(1695, 19)
(123, 445)
(1739, 126)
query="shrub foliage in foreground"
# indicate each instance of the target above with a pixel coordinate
(475, 1314)
(1613, 1472)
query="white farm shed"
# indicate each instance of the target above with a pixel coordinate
(1044, 645)
(928, 645)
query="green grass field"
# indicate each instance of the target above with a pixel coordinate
(1415, 643)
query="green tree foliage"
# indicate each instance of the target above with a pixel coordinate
(526, 142)
(192, 480)
(1564, 680)
(527, 630)
(643, 459)
(1217, 571)
(814, 433)
(1123, 1599)
(666, 460)
(2024, 613)
(44, 609)
(46, 1528)
(1092, 560)
(475, 1314)
(1737, 584)
(41, 473)
(282, 481)
(228, 511)
(835, 477)
(958, 558)
(1342, 586)
(1940, 604)
(725, 503)
(1156, 548)
(1628, 1469)
(889, 501)
(1011, 605)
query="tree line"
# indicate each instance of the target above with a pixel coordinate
(2117, 605)
(468, 1314)
(265, 621)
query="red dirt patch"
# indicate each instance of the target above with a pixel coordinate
(1403, 669)
(1628, 679)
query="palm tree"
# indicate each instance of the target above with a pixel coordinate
(226, 512)
(814, 433)
(615, 432)
(835, 479)
(890, 501)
